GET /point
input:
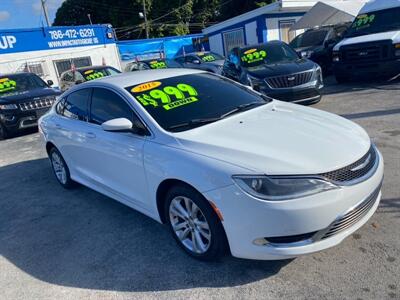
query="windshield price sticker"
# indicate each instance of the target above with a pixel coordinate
(253, 55)
(93, 76)
(158, 64)
(7, 85)
(208, 58)
(363, 20)
(168, 97)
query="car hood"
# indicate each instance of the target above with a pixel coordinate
(21, 97)
(309, 48)
(280, 139)
(389, 35)
(280, 69)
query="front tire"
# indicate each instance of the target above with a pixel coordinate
(194, 224)
(60, 169)
(3, 132)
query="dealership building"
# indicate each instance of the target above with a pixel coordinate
(49, 51)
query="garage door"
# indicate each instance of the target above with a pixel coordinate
(232, 39)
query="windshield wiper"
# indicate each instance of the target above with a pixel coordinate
(241, 108)
(194, 123)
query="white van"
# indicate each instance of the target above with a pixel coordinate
(371, 46)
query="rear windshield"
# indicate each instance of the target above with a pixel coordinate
(19, 83)
(267, 54)
(176, 100)
(310, 38)
(95, 73)
(209, 57)
(374, 22)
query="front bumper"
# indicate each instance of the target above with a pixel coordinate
(15, 120)
(367, 69)
(304, 94)
(248, 219)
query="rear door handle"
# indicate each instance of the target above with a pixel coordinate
(58, 126)
(90, 135)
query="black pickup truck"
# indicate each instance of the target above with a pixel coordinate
(24, 98)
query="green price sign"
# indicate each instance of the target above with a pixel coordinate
(363, 21)
(208, 58)
(168, 97)
(158, 65)
(7, 85)
(253, 55)
(95, 75)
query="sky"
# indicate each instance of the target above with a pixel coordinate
(25, 13)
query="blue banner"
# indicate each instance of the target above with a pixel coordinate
(46, 38)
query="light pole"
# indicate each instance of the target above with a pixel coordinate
(45, 12)
(145, 19)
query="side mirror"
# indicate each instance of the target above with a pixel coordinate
(196, 61)
(117, 125)
(50, 82)
(79, 81)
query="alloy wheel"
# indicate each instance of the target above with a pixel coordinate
(59, 167)
(189, 224)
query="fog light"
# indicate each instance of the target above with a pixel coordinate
(260, 242)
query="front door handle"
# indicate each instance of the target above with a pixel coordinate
(90, 135)
(58, 126)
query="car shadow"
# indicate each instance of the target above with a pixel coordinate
(79, 238)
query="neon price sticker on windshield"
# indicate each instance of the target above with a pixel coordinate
(168, 97)
(208, 58)
(93, 76)
(253, 55)
(7, 85)
(158, 65)
(363, 21)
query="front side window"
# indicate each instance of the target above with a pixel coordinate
(107, 105)
(183, 102)
(75, 105)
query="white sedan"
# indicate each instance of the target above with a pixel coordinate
(225, 167)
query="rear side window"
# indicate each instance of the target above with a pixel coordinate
(75, 105)
(107, 105)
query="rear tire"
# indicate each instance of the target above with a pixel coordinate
(194, 224)
(341, 79)
(60, 169)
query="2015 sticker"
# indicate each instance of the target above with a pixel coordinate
(145, 86)
(88, 72)
(7, 85)
(168, 97)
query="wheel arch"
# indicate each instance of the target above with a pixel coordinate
(49, 146)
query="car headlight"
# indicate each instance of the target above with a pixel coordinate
(307, 54)
(8, 106)
(318, 75)
(279, 188)
(253, 81)
(397, 49)
(335, 56)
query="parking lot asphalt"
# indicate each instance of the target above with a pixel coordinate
(78, 244)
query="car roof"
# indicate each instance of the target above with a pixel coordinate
(258, 45)
(131, 78)
(17, 73)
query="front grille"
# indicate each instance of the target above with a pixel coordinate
(366, 52)
(287, 81)
(296, 96)
(37, 104)
(352, 216)
(354, 171)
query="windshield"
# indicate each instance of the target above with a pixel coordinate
(267, 54)
(189, 100)
(310, 38)
(19, 83)
(374, 22)
(95, 73)
(209, 56)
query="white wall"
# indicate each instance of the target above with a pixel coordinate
(10, 63)
(251, 33)
(216, 44)
(273, 27)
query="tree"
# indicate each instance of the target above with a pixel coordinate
(172, 17)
